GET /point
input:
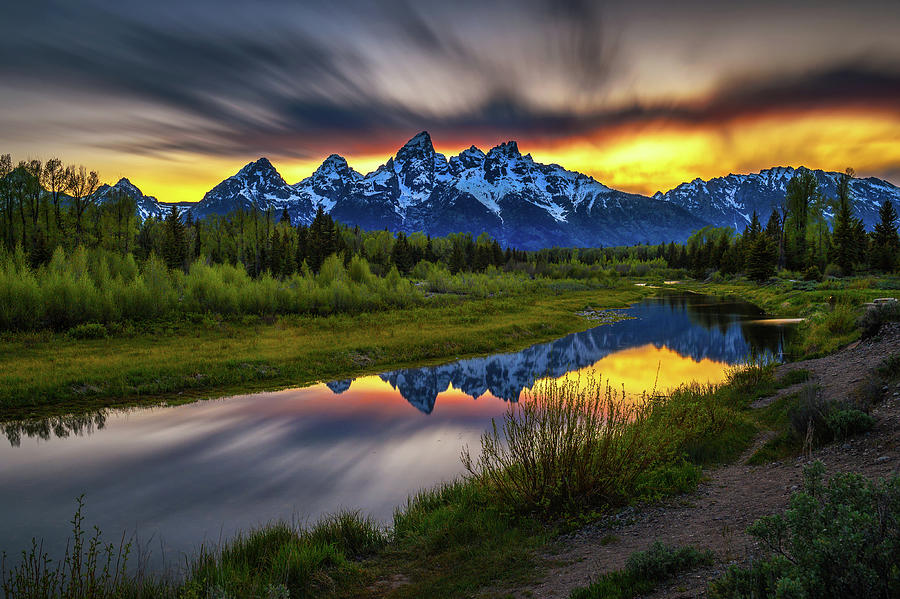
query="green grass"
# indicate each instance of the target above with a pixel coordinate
(830, 308)
(475, 537)
(804, 420)
(46, 374)
(644, 571)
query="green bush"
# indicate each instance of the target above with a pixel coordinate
(847, 422)
(644, 571)
(873, 318)
(817, 421)
(89, 330)
(840, 539)
(566, 444)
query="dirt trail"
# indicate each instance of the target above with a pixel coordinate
(716, 515)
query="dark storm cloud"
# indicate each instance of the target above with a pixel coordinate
(296, 80)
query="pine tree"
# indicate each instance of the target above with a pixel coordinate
(846, 228)
(401, 255)
(885, 250)
(754, 228)
(773, 227)
(761, 257)
(175, 246)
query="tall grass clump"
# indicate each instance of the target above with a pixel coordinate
(283, 560)
(826, 331)
(566, 444)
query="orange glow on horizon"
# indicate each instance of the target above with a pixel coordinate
(639, 158)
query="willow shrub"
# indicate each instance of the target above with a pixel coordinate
(568, 444)
(838, 538)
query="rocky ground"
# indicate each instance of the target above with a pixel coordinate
(716, 515)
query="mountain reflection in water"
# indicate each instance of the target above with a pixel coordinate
(176, 476)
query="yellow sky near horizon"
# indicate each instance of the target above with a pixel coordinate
(641, 159)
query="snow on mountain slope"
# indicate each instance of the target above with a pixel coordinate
(147, 206)
(520, 202)
(256, 186)
(730, 201)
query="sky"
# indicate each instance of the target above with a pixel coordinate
(177, 95)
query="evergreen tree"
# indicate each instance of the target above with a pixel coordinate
(175, 242)
(401, 255)
(761, 258)
(846, 228)
(285, 217)
(457, 258)
(773, 227)
(885, 250)
(754, 228)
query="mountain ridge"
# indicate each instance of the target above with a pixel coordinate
(510, 196)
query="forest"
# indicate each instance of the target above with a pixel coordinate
(67, 259)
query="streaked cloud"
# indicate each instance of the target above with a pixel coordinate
(203, 86)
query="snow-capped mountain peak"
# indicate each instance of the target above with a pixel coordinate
(256, 186)
(731, 200)
(508, 195)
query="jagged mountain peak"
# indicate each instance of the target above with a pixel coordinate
(261, 166)
(124, 182)
(421, 140)
(469, 158)
(507, 149)
(730, 200)
(335, 167)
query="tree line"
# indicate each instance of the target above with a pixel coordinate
(796, 237)
(46, 205)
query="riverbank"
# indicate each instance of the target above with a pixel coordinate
(716, 515)
(464, 540)
(48, 374)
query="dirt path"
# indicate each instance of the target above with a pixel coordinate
(716, 515)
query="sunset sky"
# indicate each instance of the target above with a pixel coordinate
(178, 95)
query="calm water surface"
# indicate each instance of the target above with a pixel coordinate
(178, 476)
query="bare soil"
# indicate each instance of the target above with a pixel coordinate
(731, 497)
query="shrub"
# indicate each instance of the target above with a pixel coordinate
(564, 444)
(89, 330)
(873, 318)
(839, 539)
(644, 570)
(817, 421)
(812, 274)
(833, 270)
(845, 423)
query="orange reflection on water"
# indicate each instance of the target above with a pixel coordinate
(648, 368)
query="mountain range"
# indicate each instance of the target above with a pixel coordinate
(515, 199)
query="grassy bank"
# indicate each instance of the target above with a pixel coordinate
(830, 308)
(589, 454)
(43, 374)
(568, 455)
